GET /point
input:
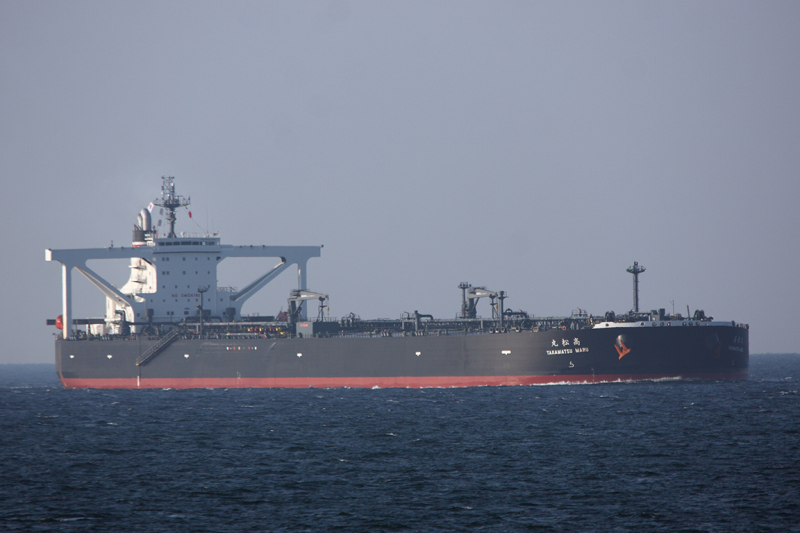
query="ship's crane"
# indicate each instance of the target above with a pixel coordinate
(471, 295)
(475, 294)
(296, 299)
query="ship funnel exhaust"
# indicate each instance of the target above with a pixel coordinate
(141, 228)
(144, 220)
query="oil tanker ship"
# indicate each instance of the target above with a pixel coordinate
(172, 326)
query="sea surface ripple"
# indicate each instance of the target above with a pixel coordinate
(648, 456)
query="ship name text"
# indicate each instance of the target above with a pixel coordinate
(561, 349)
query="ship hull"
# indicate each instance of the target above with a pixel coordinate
(514, 358)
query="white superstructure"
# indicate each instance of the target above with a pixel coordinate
(169, 275)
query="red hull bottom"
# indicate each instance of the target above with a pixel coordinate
(411, 382)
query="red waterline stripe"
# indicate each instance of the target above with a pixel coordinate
(414, 382)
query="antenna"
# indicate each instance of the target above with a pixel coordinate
(170, 200)
(635, 270)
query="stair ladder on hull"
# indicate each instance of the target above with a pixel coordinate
(158, 347)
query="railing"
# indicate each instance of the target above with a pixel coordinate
(185, 234)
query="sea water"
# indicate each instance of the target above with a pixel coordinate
(647, 456)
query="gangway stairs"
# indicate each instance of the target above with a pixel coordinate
(158, 347)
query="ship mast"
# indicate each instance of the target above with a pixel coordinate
(635, 270)
(170, 200)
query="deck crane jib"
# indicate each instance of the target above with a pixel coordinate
(296, 299)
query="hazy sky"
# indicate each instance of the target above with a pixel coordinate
(533, 147)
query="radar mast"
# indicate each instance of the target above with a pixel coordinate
(170, 200)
